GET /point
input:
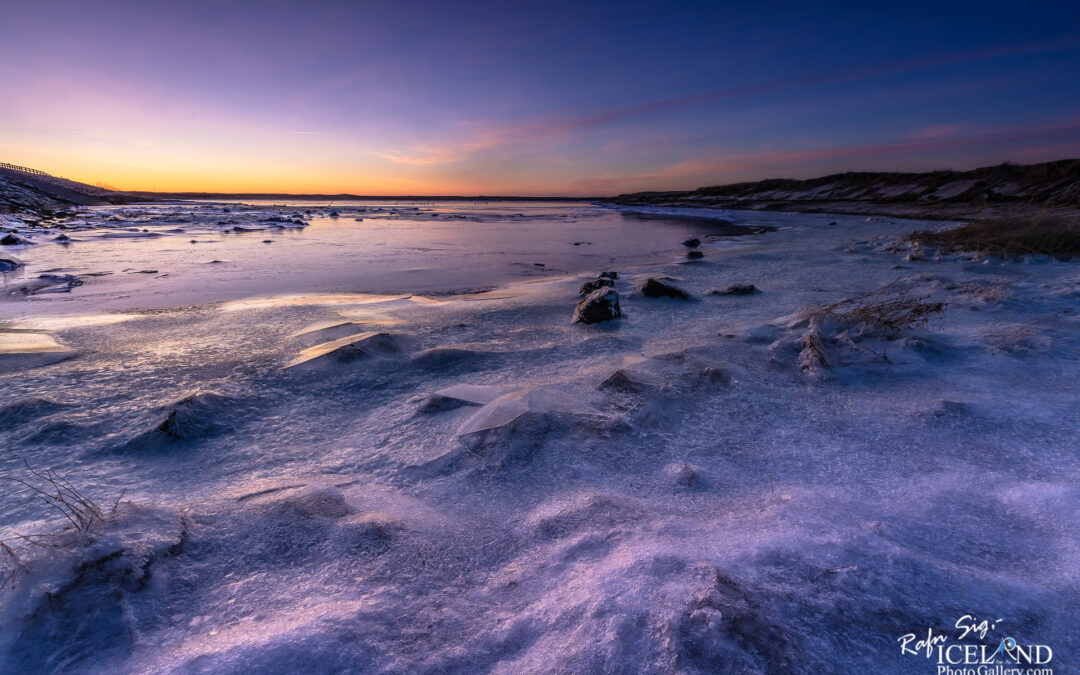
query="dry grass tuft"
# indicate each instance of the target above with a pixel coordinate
(82, 514)
(987, 292)
(1040, 234)
(882, 315)
(1019, 336)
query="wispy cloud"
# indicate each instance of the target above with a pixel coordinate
(937, 131)
(746, 162)
(491, 137)
(478, 139)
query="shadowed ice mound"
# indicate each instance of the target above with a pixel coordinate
(511, 427)
(351, 348)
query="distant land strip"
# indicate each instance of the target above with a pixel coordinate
(1004, 189)
(993, 191)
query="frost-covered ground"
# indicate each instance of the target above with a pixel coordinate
(333, 459)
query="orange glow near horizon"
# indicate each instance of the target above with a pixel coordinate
(385, 100)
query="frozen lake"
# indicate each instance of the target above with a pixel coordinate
(162, 256)
(331, 453)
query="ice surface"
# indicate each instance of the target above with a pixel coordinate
(327, 331)
(29, 350)
(494, 489)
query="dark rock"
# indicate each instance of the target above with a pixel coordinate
(735, 289)
(8, 264)
(608, 275)
(62, 237)
(692, 243)
(51, 283)
(657, 288)
(284, 219)
(334, 214)
(600, 305)
(460, 395)
(590, 286)
(832, 224)
(13, 240)
(627, 380)
(194, 416)
(682, 474)
(694, 255)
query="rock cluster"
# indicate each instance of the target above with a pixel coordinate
(600, 305)
(12, 239)
(600, 300)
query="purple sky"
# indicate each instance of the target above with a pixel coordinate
(528, 97)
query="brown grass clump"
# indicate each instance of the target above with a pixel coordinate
(1040, 234)
(1020, 336)
(881, 315)
(83, 515)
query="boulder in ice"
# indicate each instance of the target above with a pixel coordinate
(195, 416)
(600, 305)
(12, 239)
(682, 474)
(48, 283)
(659, 288)
(735, 289)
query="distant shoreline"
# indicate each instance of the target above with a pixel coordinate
(1006, 190)
(351, 197)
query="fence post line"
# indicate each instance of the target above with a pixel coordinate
(24, 169)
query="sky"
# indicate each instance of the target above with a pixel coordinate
(528, 98)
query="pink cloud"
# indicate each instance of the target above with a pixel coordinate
(737, 163)
(936, 131)
(493, 137)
